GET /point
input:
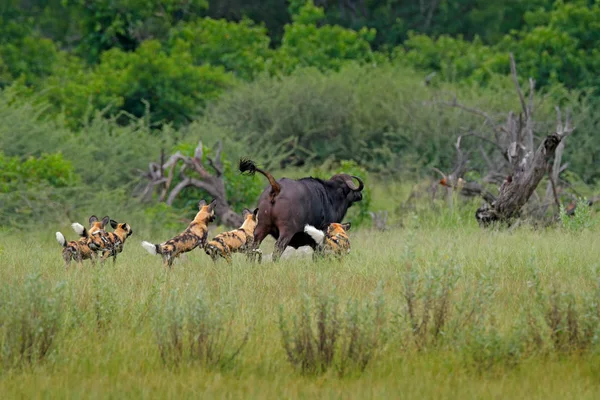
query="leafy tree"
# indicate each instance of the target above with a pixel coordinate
(324, 47)
(175, 89)
(241, 48)
(23, 52)
(125, 24)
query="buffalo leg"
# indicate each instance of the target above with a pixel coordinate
(280, 245)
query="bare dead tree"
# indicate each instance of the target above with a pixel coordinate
(161, 176)
(520, 166)
(557, 168)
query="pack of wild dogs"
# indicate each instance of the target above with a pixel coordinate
(302, 212)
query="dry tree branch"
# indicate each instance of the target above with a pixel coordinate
(214, 185)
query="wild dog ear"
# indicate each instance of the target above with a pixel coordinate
(201, 203)
(213, 203)
(93, 219)
(245, 213)
(255, 213)
(114, 223)
(127, 227)
(105, 221)
(346, 226)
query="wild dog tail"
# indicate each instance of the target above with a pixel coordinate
(314, 233)
(249, 167)
(61, 239)
(80, 229)
(153, 249)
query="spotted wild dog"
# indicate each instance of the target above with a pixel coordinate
(193, 236)
(80, 250)
(237, 241)
(109, 243)
(334, 241)
(92, 236)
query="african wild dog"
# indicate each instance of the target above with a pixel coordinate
(237, 241)
(193, 236)
(334, 241)
(80, 250)
(110, 243)
(92, 236)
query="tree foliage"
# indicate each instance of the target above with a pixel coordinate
(297, 83)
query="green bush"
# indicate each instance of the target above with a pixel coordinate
(51, 169)
(336, 115)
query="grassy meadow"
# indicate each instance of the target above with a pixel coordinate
(482, 304)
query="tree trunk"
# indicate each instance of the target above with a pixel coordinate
(515, 192)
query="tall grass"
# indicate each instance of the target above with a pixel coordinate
(493, 314)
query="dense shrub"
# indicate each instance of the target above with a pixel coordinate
(335, 115)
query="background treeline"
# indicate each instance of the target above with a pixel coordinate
(93, 90)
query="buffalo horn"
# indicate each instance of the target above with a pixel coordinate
(352, 186)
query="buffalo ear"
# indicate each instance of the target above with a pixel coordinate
(201, 204)
(114, 223)
(105, 221)
(93, 219)
(245, 213)
(346, 226)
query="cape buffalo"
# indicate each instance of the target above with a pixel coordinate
(288, 205)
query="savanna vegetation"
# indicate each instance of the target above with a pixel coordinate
(93, 92)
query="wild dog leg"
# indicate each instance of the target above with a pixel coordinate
(259, 236)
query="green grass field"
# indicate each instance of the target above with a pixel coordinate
(488, 347)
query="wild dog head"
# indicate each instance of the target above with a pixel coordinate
(206, 212)
(250, 220)
(336, 228)
(97, 225)
(123, 230)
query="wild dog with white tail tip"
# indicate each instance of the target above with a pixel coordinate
(333, 241)
(81, 249)
(193, 236)
(110, 243)
(237, 241)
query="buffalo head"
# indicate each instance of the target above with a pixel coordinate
(346, 187)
